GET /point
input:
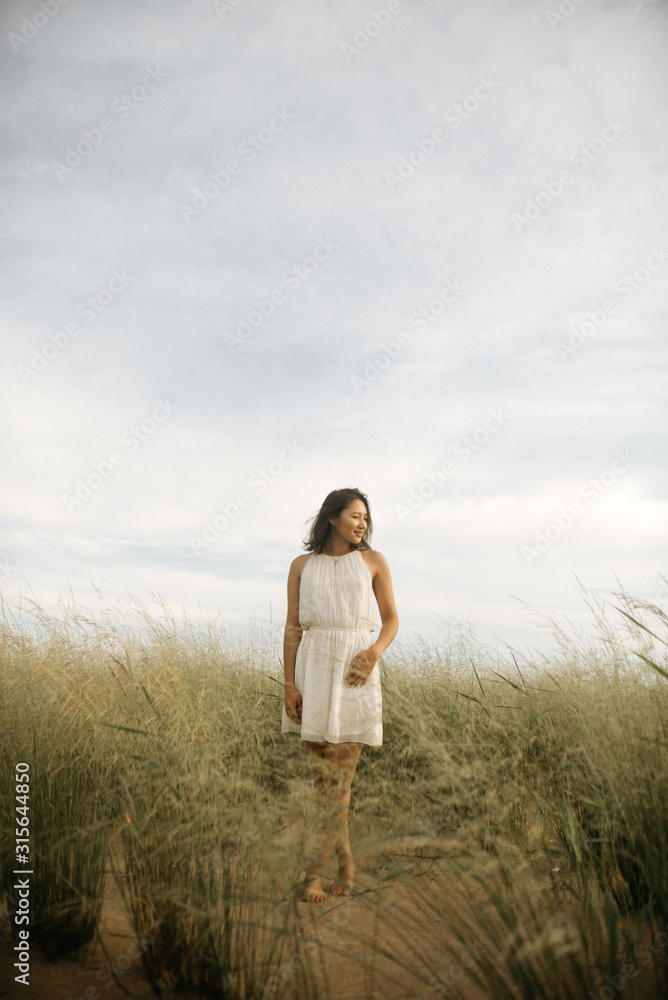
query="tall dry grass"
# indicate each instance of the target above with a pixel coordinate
(514, 823)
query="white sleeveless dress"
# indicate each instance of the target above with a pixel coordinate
(337, 612)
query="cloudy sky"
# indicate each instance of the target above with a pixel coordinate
(255, 252)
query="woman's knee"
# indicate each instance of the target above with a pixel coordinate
(343, 753)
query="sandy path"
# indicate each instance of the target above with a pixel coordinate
(336, 935)
(333, 935)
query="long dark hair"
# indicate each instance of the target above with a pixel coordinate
(333, 506)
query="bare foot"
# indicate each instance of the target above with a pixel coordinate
(313, 890)
(344, 880)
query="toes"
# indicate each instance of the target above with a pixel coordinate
(314, 896)
(341, 890)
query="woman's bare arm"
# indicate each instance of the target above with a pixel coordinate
(382, 588)
(293, 631)
(362, 664)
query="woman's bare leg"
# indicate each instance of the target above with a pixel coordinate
(348, 759)
(313, 890)
(333, 765)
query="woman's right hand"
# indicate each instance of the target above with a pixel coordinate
(293, 703)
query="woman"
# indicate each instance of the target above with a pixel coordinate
(332, 685)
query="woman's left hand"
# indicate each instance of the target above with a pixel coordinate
(360, 667)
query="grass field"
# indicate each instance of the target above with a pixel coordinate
(511, 834)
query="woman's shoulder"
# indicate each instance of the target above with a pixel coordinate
(373, 555)
(297, 564)
(374, 559)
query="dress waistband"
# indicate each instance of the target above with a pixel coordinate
(337, 628)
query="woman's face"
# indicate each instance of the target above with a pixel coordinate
(352, 522)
